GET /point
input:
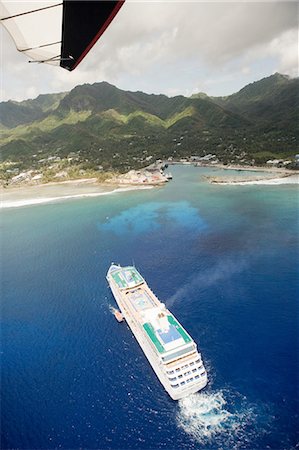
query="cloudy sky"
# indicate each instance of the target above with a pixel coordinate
(172, 47)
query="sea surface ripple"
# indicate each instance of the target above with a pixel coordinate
(224, 259)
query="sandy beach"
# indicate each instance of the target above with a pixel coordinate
(259, 175)
(15, 197)
(290, 179)
(274, 170)
(29, 195)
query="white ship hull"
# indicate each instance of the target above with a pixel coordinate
(175, 388)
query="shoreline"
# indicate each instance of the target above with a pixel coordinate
(22, 196)
(280, 175)
(29, 194)
(121, 180)
(236, 167)
(79, 181)
(240, 168)
(278, 180)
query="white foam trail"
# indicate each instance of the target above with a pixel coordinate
(220, 271)
(43, 200)
(206, 416)
(112, 309)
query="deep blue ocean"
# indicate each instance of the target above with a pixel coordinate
(224, 259)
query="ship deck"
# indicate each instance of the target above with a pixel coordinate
(126, 277)
(140, 300)
(160, 326)
(162, 340)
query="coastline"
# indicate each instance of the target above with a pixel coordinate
(240, 168)
(21, 195)
(30, 195)
(286, 179)
(272, 175)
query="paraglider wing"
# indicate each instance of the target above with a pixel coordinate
(59, 33)
(83, 24)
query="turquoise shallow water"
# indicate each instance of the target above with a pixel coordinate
(223, 258)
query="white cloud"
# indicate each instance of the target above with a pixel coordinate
(285, 48)
(175, 47)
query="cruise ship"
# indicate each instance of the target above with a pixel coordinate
(168, 347)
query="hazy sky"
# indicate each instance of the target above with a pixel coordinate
(172, 47)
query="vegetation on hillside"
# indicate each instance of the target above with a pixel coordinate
(99, 127)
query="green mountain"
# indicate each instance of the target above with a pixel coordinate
(271, 102)
(101, 125)
(13, 113)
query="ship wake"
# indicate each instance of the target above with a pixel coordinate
(112, 309)
(208, 418)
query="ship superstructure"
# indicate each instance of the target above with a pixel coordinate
(168, 347)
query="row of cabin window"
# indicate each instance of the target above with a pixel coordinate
(170, 372)
(183, 382)
(187, 381)
(178, 369)
(186, 373)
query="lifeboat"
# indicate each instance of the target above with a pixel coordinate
(118, 315)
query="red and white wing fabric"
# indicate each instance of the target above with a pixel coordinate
(59, 33)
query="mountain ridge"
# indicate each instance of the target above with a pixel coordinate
(116, 129)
